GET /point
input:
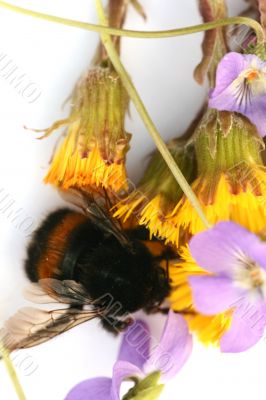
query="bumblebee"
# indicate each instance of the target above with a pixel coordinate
(86, 260)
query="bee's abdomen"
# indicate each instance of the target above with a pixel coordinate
(49, 249)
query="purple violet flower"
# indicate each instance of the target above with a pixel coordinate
(136, 359)
(241, 87)
(236, 260)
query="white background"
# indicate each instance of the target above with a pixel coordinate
(54, 56)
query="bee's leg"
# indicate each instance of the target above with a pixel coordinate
(76, 307)
(115, 325)
(164, 310)
(157, 309)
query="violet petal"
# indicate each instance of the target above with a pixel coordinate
(229, 68)
(174, 348)
(214, 294)
(122, 370)
(135, 344)
(257, 252)
(246, 330)
(215, 250)
(256, 113)
(92, 389)
(234, 93)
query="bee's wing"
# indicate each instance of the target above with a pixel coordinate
(100, 216)
(36, 294)
(53, 290)
(32, 326)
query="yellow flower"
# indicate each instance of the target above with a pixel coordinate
(158, 192)
(92, 154)
(231, 182)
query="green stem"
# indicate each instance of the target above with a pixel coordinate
(111, 51)
(12, 372)
(142, 34)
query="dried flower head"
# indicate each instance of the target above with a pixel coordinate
(92, 154)
(231, 182)
(157, 194)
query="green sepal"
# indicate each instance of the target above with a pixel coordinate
(146, 389)
(229, 137)
(149, 394)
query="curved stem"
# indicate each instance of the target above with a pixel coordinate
(147, 120)
(143, 34)
(12, 373)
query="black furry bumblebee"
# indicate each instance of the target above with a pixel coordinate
(86, 259)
